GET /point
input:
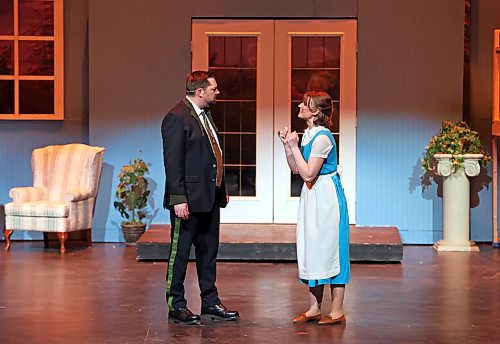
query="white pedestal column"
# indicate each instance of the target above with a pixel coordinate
(456, 202)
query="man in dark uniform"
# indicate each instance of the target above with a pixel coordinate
(194, 193)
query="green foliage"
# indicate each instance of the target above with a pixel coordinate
(456, 139)
(132, 191)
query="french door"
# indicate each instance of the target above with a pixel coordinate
(263, 67)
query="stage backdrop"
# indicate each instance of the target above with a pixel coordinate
(410, 60)
(128, 69)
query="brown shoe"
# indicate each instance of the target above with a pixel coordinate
(303, 318)
(328, 320)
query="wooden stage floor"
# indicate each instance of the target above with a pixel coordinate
(104, 295)
(266, 242)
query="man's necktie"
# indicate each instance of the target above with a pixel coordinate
(215, 147)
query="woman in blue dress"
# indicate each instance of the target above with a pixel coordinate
(322, 221)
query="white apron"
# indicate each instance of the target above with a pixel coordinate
(318, 230)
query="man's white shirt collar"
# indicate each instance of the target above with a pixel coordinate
(196, 107)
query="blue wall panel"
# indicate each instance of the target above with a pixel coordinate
(409, 80)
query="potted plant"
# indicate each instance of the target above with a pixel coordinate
(455, 153)
(132, 194)
(457, 140)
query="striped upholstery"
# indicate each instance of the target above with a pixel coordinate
(62, 199)
(38, 209)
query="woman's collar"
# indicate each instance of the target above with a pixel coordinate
(310, 132)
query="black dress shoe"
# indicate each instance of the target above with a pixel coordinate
(184, 316)
(218, 312)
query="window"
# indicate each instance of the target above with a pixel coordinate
(315, 66)
(233, 60)
(31, 59)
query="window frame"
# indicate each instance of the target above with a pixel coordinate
(58, 77)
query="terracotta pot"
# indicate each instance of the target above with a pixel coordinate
(132, 232)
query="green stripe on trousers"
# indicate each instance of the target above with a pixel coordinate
(171, 260)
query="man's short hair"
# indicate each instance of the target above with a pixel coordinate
(198, 79)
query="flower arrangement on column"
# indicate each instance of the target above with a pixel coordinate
(455, 153)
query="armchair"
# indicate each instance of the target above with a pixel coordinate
(62, 198)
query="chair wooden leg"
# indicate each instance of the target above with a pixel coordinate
(6, 234)
(89, 237)
(45, 239)
(62, 238)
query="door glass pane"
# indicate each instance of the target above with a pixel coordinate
(315, 67)
(6, 57)
(6, 17)
(36, 58)
(232, 152)
(248, 149)
(233, 61)
(36, 17)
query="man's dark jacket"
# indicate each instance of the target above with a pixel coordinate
(190, 164)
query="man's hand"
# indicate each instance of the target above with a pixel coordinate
(227, 198)
(182, 211)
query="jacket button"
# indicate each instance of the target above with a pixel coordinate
(214, 165)
(213, 179)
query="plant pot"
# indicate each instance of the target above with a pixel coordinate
(132, 232)
(456, 202)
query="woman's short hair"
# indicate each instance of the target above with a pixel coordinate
(320, 103)
(198, 79)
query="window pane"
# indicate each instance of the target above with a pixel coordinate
(299, 52)
(7, 17)
(298, 124)
(232, 52)
(217, 112)
(7, 96)
(232, 178)
(36, 97)
(337, 141)
(304, 80)
(232, 117)
(36, 17)
(36, 58)
(296, 185)
(216, 51)
(6, 57)
(335, 118)
(249, 115)
(231, 149)
(247, 181)
(315, 51)
(332, 52)
(236, 84)
(248, 146)
(249, 52)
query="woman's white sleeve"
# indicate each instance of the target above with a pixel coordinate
(321, 147)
